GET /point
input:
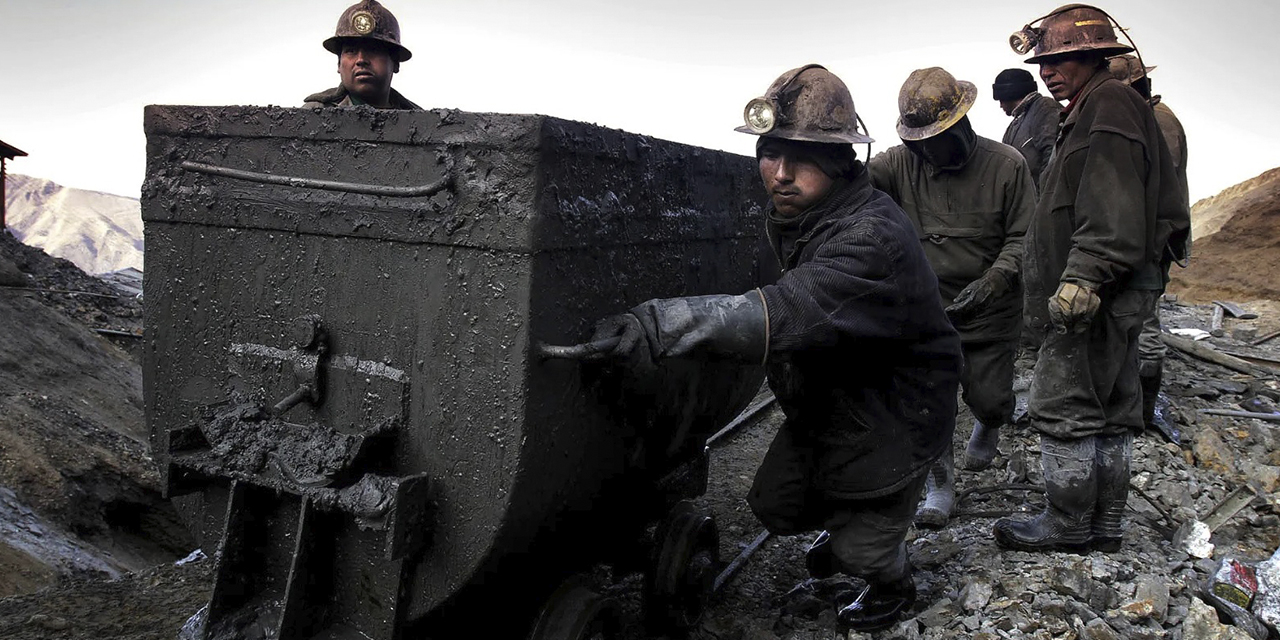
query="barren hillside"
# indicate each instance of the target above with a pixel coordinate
(1236, 250)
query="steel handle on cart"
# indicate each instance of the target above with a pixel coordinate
(324, 185)
(582, 351)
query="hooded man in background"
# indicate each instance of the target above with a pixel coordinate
(969, 200)
(367, 43)
(1151, 348)
(1035, 118)
(857, 347)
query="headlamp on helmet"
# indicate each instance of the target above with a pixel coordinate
(1025, 40)
(761, 115)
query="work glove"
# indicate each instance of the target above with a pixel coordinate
(721, 325)
(1073, 306)
(978, 295)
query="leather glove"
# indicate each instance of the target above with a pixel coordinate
(721, 325)
(978, 295)
(1073, 306)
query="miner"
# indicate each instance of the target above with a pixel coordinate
(1092, 270)
(969, 200)
(1035, 118)
(367, 43)
(1151, 348)
(859, 352)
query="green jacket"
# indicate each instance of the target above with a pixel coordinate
(337, 97)
(969, 222)
(1111, 200)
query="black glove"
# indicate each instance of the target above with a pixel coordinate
(723, 325)
(978, 295)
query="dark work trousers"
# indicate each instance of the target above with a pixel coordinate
(868, 535)
(987, 379)
(1086, 384)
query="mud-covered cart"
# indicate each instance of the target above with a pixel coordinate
(345, 372)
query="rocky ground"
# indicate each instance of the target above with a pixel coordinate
(87, 549)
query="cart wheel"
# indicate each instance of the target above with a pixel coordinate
(576, 612)
(688, 557)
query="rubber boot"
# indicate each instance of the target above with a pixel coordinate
(940, 494)
(1070, 488)
(1111, 462)
(1150, 396)
(820, 560)
(982, 446)
(879, 605)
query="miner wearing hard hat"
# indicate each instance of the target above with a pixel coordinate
(1151, 348)
(1035, 118)
(367, 43)
(858, 350)
(969, 200)
(1111, 205)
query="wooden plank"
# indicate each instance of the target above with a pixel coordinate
(1235, 310)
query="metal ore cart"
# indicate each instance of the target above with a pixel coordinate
(347, 384)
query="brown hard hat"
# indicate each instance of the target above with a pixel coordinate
(368, 20)
(1128, 69)
(809, 104)
(930, 101)
(1075, 28)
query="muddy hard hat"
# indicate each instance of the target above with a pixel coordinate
(809, 104)
(1128, 69)
(930, 101)
(1071, 28)
(368, 20)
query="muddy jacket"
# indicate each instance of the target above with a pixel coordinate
(1175, 137)
(1111, 200)
(969, 221)
(1032, 132)
(861, 357)
(337, 97)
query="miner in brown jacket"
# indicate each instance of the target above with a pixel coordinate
(1092, 269)
(367, 43)
(969, 200)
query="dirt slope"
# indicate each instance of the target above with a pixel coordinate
(78, 492)
(1237, 252)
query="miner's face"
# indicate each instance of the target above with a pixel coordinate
(366, 68)
(1067, 75)
(794, 180)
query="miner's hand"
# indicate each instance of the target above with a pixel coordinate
(1073, 306)
(978, 295)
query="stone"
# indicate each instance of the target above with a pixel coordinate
(1156, 591)
(1192, 538)
(975, 594)
(1211, 453)
(1098, 629)
(1266, 604)
(941, 614)
(1202, 624)
(1072, 581)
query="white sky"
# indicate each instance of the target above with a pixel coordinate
(78, 72)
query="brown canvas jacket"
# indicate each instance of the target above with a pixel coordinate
(1111, 200)
(969, 221)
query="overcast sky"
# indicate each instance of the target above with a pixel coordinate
(78, 72)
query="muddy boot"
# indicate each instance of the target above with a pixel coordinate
(940, 494)
(1111, 462)
(1070, 488)
(879, 605)
(1150, 396)
(820, 560)
(982, 446)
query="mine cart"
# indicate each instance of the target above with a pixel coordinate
(352, 384)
